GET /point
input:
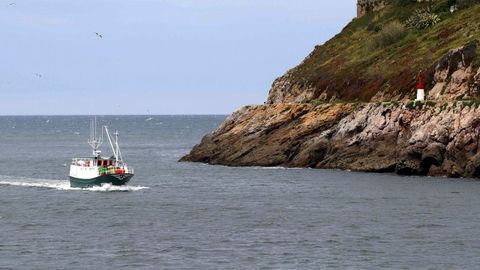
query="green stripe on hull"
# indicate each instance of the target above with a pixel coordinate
(98, 181)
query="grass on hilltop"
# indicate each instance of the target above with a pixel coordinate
(358, 65)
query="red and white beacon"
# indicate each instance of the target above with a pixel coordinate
(420, 88)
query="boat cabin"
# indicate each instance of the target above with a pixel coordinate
(90, 162)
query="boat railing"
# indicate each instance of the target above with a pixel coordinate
(84, 162)
(115, 170)
(119, 168)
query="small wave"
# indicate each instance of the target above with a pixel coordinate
(59, 186)
(112, 188)
(269, 168)
(64, 185)
(429, 225)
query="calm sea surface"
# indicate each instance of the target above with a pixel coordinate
(193, 216)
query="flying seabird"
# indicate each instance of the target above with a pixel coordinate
(99, 35)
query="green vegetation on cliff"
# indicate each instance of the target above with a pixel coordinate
(350, 105)
(381, 52)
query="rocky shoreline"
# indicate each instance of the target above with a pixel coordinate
(435, 139)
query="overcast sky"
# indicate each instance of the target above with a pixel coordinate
(156, 56)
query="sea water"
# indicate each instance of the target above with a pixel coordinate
(194, 216)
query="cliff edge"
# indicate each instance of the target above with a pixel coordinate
(350, 104)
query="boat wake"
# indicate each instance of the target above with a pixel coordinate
(63, 185)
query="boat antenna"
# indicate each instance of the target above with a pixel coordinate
(95, 141)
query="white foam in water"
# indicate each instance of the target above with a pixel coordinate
(269, 168)
(63, 185)
(110, 188)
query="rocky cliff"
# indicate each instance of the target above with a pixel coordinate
(435, 140)
(349, 106)
(364, 6)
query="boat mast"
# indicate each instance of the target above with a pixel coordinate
(111, 143)
(95, 141)
(114, 146)
(117, 148)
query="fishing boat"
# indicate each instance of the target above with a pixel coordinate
(98, 170)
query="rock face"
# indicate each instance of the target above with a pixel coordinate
(285, 89)
(433, 140)
(455, 76)
(364, 6)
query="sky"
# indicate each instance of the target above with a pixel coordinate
(154, 56)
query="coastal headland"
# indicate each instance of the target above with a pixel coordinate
(351, 103)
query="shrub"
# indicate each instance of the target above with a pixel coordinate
(462, 4)
(422, 18)
(410, 105)
(444, 106)
(443, 6)
(390, 34)
(318, 102)
(304, 101)
(374, 27)
(443, 89)
(414, 105)
(468, 103)
(430, 103)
